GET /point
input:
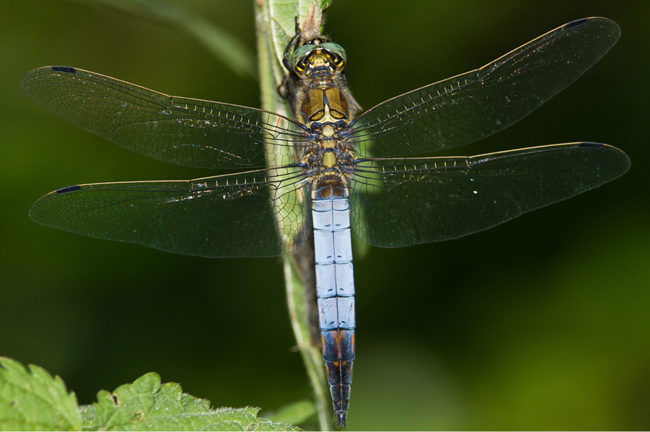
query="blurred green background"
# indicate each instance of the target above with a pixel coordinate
(540, 323)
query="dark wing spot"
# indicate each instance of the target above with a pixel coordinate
(65, 69)
(575, 23)
(590, 145)
(68, 189)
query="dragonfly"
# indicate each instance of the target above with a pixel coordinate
(327, 171)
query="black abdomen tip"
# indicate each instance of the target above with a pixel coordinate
(575, 23)
(341, 420)
(65, 69)
(68, 189)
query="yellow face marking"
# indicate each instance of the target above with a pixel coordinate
(318, 62)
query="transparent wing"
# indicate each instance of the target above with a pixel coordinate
(182, 131)
(254, 214)
(402, 202)
(471, 106)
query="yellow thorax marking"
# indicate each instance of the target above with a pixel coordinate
(328, 131)
(324, 105)
(327, 118)
(329, 159)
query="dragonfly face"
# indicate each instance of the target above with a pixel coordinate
(315, 54)
(346, 173)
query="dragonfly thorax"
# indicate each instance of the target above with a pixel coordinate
(329, 157)
(323, 103)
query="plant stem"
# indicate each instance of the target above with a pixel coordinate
(298, 267)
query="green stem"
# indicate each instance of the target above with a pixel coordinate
(273, 33)
(311, 355)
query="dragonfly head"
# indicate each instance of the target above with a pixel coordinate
(318, 53)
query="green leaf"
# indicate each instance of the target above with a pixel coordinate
(33, 400)
(222, 44)
(149, 405)
(295, 413)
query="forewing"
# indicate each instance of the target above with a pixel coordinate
(182, 131)
(254, 214)
(402, 202)
(479, 103)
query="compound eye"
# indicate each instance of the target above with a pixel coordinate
(300, 67)
(338, 61)
(299, 58)
(338, 55)
(335, 60)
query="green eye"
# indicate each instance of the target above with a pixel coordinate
(336, 49)
(300, 54)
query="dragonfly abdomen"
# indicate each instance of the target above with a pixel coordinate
(335, 292)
